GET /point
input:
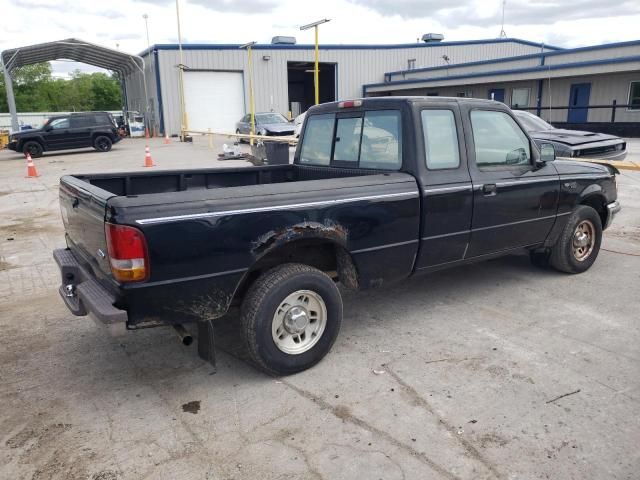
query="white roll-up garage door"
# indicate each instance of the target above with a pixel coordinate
(214, 100)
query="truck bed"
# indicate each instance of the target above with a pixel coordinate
(142, 183)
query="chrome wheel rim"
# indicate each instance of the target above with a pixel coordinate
(299, 322)
(103, 145)
(583, 240)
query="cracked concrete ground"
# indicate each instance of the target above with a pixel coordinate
(468, 367)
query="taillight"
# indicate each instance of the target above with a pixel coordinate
(128, 255)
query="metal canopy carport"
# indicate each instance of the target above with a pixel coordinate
(70, 49)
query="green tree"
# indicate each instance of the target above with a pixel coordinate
(36, 90)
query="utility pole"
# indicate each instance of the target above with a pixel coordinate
(184, 124)
(252, 106)
(316, 69)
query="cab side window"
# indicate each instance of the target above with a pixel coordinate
(440, 139)
(499, 141)
(381, 140)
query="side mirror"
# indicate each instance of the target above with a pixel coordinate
(547, 152)
(48, 128)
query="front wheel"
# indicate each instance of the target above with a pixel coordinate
(102, 143)
(33, 148)
(291, 316)
(578, 246)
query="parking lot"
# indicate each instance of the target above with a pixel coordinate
(494, 370)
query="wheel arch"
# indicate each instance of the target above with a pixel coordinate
(23, 141)
(325, 250)
(595, 199)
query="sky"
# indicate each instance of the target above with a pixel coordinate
(121, 25)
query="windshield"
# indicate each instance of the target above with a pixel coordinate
(531, 122)
(269, 118)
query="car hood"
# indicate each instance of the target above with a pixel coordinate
(22, 133)
(571, 137)
(279, 127)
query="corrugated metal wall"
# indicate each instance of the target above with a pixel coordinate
(355, 67)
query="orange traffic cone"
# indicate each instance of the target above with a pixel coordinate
(167, 140)
(31, 168)
(148, 161)
(146, 132)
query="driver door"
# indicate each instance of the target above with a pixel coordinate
(514, 203)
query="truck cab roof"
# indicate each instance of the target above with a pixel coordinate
(377, 102)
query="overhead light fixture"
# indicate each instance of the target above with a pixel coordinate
(314, 24)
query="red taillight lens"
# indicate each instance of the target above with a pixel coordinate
(127, 253)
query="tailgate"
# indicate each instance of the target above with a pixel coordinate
(83, 208)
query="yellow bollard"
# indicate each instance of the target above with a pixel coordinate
(210, 139)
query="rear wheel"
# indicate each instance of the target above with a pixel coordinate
(240, 140)
(33, 148)
(102, 143)
(291, 316)
(578, 246)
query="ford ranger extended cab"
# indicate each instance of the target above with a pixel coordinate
(380, 189)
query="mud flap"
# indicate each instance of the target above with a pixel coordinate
(206, 349)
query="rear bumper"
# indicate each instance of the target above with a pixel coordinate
(82, 294)
(612, 210)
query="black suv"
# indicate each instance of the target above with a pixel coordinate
(64, 132)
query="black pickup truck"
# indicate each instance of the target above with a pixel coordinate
(381, 189)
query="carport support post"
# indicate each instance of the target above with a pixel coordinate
(11, 99)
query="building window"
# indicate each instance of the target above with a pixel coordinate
(411, 64)
(432, 94)
(520, 97)
(465, 94)
(634, 96)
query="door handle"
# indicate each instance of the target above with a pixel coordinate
(489, 189)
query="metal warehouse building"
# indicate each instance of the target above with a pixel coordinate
(216, 76)
(571, 87)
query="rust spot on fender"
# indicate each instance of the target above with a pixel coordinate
(274, 238)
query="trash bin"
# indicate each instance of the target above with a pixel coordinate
(277, 153)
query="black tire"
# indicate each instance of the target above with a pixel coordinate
(564, 256)
(259, 307)
(240, 140)
(102, 143)
(33, 148)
